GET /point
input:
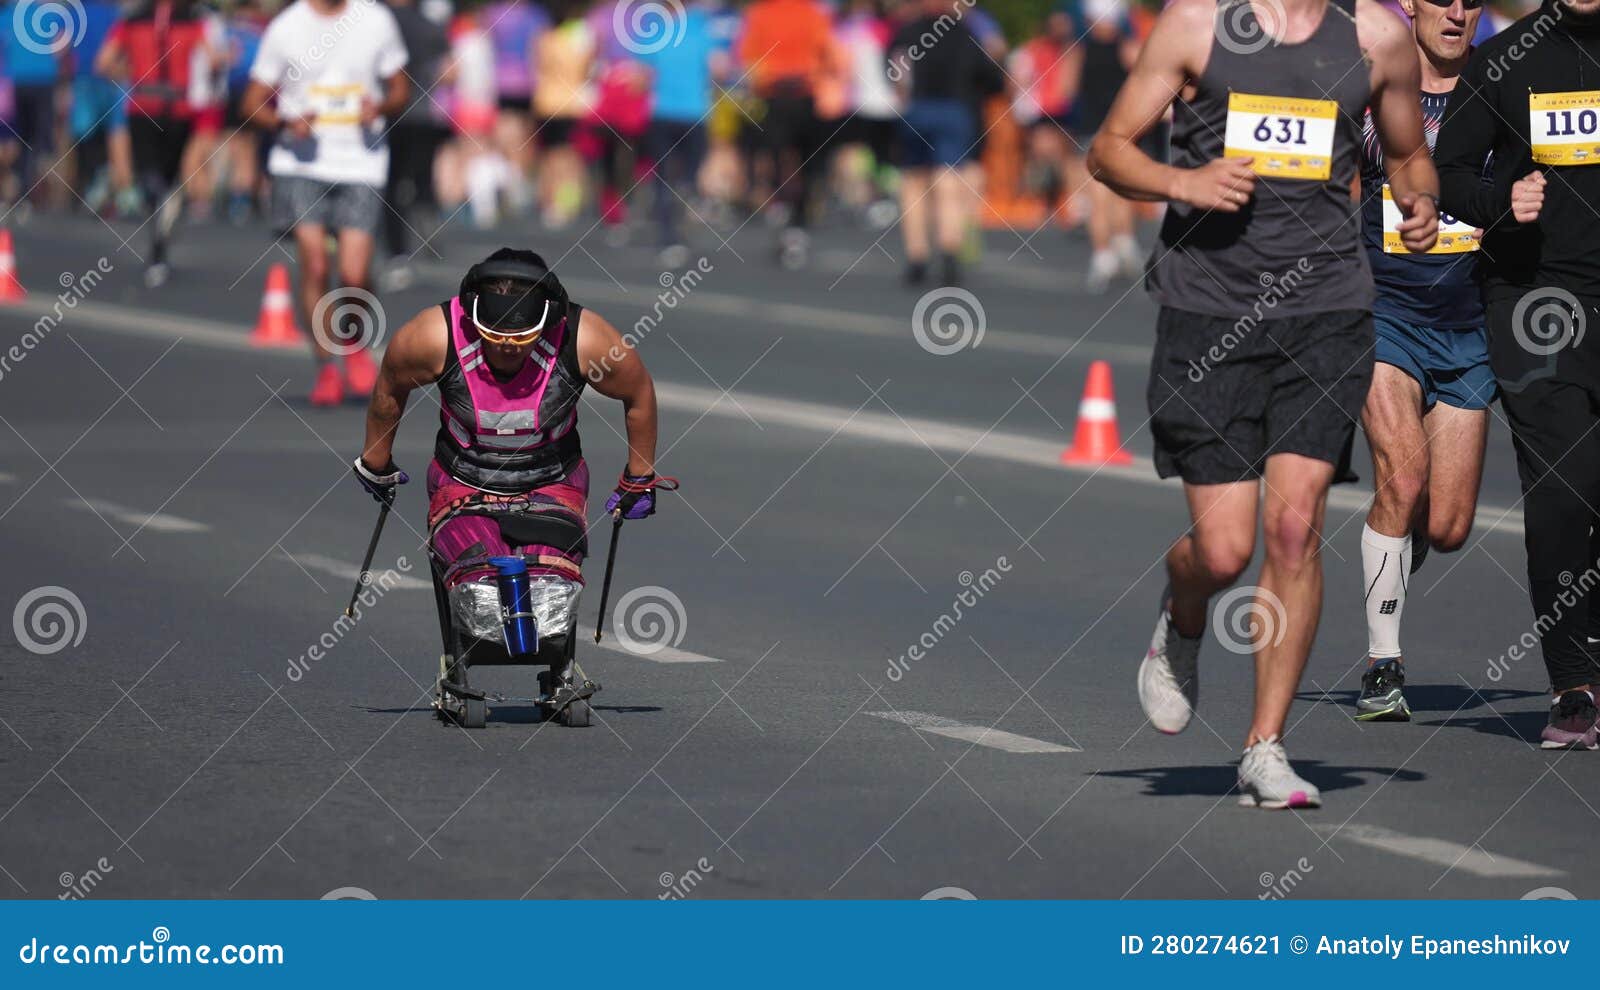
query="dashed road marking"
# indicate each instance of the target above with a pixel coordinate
(388, 578)
(982, 735)
(666, 654)
(1441, 852)
(159, 522)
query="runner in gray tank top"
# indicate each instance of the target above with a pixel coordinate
(1264, 343)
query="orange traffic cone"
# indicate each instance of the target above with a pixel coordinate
(276, 328)
(11, 290)
(1096, 440)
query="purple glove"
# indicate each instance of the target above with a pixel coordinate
(635, 496)
(380, 484)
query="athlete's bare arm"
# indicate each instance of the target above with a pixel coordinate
(396, 94)
(257, 109)
(1396, 105)
(613, 367)
(415, 357)
(1175, 55)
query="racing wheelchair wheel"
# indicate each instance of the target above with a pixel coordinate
(474, 713)
(576, 715)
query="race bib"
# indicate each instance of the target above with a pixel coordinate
(1564, 128)
(1455, 236)
(334, 105)
(1288, 138)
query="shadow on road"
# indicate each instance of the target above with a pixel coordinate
(1445, 698)
(511, 713)
(1216, 781)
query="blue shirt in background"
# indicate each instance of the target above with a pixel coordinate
(26, 48)
(681, 73)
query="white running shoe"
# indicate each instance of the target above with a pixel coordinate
(1103, 267)
(1266, 780)
(1169, 677)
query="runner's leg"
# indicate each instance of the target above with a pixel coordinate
(1214, 552)
(1393, 421)
(1456, 441)
(1295, 502)
(311, 246)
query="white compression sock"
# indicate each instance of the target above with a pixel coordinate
(1385, 568)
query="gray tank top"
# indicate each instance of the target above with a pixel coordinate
(1220, 264)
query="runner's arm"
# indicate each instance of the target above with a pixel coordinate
(1466, 139)
(1396, 104)
(396, 94)
(615, 370)
(415, 357)
(1163, 68)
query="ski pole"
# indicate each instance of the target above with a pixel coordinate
(366, 562)
(605, 586)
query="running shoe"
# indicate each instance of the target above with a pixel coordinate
(1103, 267)
(1571, 725)
(1266, 780)
(360, 374)
(1381, 698)
(1169, 677)
(329, 388)
(157, 274)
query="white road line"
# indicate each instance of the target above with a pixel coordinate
(340, 569)
(983, 736)
(667, 654)
(946, 437)
(1441, 852)
(160, 522)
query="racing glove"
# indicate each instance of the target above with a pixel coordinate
(380, 484)
(635, 496)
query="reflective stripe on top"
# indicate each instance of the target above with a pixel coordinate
(512, 419)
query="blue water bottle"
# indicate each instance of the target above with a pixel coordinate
(516, 606)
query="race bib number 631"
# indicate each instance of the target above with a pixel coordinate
(1288, 138)
(1564, 128)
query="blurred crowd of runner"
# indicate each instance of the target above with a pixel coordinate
(863, 112)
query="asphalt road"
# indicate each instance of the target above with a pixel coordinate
(841, 488)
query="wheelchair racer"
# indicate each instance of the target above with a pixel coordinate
(510, 355)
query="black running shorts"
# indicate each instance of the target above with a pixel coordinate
(1227, 393)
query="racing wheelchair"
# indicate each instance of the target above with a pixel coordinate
(514, 617)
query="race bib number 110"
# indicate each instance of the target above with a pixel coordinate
(1288, 138)
(1564, 128)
